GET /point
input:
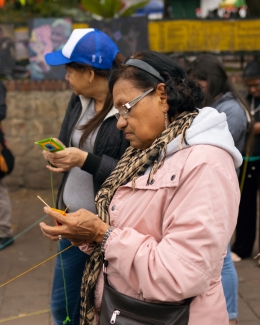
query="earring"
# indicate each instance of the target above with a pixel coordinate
(166, 120)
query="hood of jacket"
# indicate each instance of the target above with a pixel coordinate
(209, 128)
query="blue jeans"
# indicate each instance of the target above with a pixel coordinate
(73, 264)
(230, 285)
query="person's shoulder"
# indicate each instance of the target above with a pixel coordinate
(231, 106)
(203, 156)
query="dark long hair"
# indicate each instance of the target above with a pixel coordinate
(183, 94)
(93, 124)
(207, 67)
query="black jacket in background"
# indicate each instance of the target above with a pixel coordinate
(2, 107)
(2, 101)
(110, 144)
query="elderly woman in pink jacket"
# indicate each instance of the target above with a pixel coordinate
(168, 210)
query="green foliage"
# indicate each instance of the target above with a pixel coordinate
(16, 12)
(106, 9)
(130, 10)
(240, 3)
(111, 8)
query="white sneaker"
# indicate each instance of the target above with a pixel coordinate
(235, 257)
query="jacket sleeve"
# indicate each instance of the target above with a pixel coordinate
(195, 235)
(2, 102)
(99, 167)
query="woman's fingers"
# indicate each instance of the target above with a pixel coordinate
(79, 227)
(55, 169)
(57, 140)
(51, 237)
(52, 231)
(66, 159)
(59, 232)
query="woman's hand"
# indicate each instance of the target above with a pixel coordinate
(79, 227)
(65, 159)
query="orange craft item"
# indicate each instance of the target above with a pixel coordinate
(56, 210)
(62, 213)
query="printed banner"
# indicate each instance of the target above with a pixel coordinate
(199, 35)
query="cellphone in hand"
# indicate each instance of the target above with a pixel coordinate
(50, 144)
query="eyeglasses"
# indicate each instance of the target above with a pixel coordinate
(124, 109)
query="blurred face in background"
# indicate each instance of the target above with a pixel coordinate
(253, 86)
(58, 37)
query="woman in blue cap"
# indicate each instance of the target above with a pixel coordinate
(93, 147)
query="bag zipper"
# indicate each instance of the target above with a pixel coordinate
(113, 318)
(133, 317)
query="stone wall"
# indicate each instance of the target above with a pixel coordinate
(33, 115)
(35, 111)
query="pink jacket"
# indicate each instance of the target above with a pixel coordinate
(171, 237)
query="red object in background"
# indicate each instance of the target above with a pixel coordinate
(198, 12)
(122, 5)
(2, 3)
(38, 1)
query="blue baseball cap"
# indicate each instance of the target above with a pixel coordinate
(86, 46)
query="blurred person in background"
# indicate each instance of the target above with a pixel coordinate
(7, 55)
(6, 232)
(93, 147)
(221, 94)
(246, 223)
(60, 32)
(44, 39)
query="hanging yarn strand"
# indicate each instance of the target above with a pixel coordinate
(67, 319)
(34, 267)
(52, 191)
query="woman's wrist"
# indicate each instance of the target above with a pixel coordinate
(105, 238)
(83, 158)
(101, 232)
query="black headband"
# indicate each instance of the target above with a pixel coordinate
(144, 66)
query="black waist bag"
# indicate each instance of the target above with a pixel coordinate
(119, 309)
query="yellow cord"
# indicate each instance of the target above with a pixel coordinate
(25, 315)
(34, 267)
(242, 181)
